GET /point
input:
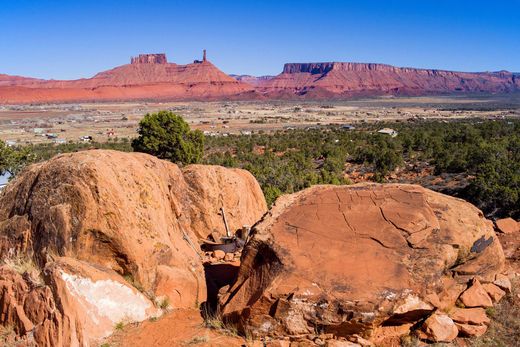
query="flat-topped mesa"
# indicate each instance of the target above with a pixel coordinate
(149, 59)
(313, 68)
(322, 68)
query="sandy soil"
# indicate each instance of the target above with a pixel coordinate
(178, 328)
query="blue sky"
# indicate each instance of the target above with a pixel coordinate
(74, 39)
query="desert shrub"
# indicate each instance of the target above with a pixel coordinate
(486, 152)
(168, 136)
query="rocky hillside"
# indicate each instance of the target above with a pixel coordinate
(93, 239)
(342, 80)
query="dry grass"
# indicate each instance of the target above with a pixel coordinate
(504, 330)
(7, 335)
(196, 340)
(25, 265)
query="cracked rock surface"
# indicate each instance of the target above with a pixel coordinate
(350, 259)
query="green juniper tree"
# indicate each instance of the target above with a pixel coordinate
(168, 136)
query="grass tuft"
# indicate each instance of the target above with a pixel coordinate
(25, 265)
(197, 340)
(504, 330)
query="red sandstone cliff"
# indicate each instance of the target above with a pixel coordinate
(148, 76)
(347, 79)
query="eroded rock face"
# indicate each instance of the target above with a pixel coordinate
(350, 259)
(106, 221)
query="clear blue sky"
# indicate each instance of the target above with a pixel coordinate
(78, 38)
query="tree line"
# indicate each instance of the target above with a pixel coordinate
(487, 152)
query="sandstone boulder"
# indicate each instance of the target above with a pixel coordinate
(503, 282)
(467, 330)
(476, 296)
(474, 316)
(495, 293)
(440, 328)
(507, 225)
(349, 259)
(122, 222)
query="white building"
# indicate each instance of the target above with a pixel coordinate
(388, 131)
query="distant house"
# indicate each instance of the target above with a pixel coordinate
(10, 143)
(348, 127)
(60, 141)
(38, 130)
(86, 138)
(388, 131)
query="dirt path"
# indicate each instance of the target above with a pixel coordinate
(178, 328)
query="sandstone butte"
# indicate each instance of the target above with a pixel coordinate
(147, 77)
(97, 238)
(151, 77)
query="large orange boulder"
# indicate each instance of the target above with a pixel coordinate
(349, 259)
(106, 220)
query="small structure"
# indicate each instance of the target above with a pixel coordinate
(388, 131)
(348, 127)
(10, 143)
(86, 138)
(60, 141)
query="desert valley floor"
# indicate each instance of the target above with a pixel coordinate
(22, 124)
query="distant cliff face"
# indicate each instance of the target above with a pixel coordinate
(342, 80)
(149, 59)
(253, 80)
(151, 76)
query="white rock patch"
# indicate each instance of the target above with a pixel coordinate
(111, 299)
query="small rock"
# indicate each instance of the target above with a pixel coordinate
(361, 341)
(468, 330)
(495, 293)
(507, 225)
(476, 296)
(219, 254)
(302, 343)
(326, 336)
(475, 316)
(440, 328)
(278, 343)
(413, 303)
(503, 282)
(337, 343)
(319, 341)
(229, 257)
